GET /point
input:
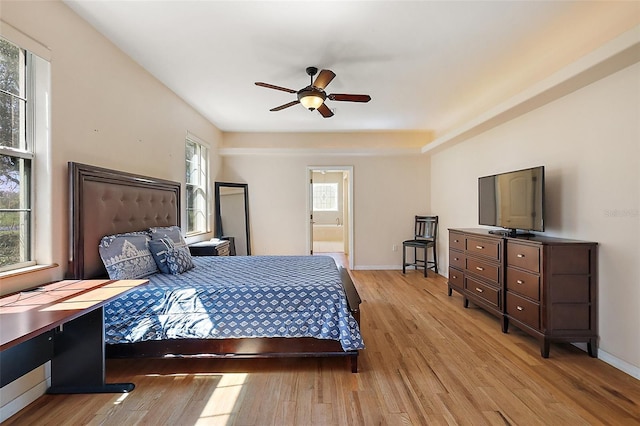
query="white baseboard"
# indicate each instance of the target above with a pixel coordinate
(389, 268)
(621, 365)
(377, 267)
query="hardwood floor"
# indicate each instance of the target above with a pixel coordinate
(428, 361)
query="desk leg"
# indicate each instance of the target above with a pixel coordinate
(78, 364)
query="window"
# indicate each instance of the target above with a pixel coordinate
(16, 156)
(197, 186)
(325, 197)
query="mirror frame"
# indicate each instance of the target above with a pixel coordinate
(218, 217)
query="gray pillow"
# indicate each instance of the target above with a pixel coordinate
(159, 249)
(127, 256)
(172, 232)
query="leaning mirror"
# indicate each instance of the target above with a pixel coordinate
(232, 216)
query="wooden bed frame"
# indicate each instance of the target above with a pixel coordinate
(105, 202)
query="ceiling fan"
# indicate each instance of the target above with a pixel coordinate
(313, 96)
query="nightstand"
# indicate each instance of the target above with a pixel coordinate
(210, 248)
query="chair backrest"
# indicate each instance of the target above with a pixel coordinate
(426, 227)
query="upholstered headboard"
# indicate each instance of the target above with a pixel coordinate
(105, 202)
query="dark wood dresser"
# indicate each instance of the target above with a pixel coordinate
(545, 286)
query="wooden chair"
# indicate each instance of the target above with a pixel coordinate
(425, 236)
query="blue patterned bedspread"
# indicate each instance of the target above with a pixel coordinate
(238, 296)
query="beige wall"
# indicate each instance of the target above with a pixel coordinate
(105, 111)
(388, 192)
(589, 143)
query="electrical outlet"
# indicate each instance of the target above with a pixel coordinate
(394, 247)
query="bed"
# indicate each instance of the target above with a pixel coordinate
(108, 202)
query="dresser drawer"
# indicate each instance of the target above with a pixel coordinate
(483, 291)
(523, 283)
(224, 251)
(457, 259)
(523, 310)
(523, 256)
(485, 248)
(456, 278)
(484, 269)
(456, 241)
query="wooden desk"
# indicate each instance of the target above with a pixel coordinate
(62, 322)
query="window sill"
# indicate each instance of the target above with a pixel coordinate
(197, 236)
(26, 270)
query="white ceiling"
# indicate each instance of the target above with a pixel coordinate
(427, 65)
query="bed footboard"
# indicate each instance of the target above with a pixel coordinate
(268, 347)
(353, 298)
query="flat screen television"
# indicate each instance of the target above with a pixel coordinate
(513, 201)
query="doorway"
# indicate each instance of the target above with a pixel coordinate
(330, 211)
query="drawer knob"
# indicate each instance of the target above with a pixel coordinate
(520, 308)
(520, 255)
(456, 241)
(454, 277)
(479, 247)
(479, 290)
(519, 281)
(479, 268)
(455, 258)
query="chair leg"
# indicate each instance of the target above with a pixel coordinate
(426, 262)
(435, 259)
(404, 259)
(416, 262)
(415, 258)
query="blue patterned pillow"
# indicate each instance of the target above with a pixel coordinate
(172, 232)
(159, 249)
(179, 260)
(127, 256)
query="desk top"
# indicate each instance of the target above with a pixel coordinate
(29, 313)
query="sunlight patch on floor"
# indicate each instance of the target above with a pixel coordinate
(222, 402)
(121, 398)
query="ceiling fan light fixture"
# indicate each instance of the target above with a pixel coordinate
(311, 99)
(313, 96)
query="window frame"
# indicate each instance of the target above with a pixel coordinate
(202, 186)
(26, 153)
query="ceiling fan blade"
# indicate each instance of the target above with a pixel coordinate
(323, 79)
(271, 86)
(349, 98)
(325, 111)
(292, 103)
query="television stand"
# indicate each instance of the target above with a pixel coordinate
(511, 233)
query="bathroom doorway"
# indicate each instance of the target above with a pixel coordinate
(330, 211)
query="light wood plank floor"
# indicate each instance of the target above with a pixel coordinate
(428, 361)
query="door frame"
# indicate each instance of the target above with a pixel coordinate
(309, 175)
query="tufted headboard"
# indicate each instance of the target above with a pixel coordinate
(105, 202)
